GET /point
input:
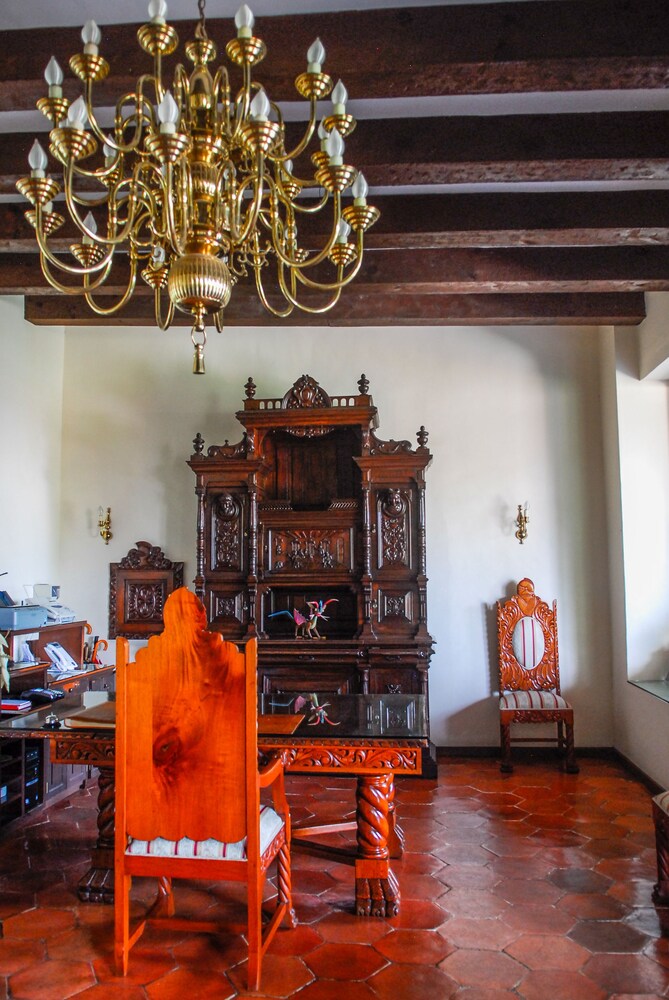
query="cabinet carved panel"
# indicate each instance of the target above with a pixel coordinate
(139, 585)
(304, 551)
(227, 533)
(394, 529)
(313, 510)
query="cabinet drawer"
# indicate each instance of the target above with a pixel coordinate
(102, 682)
(321, 680)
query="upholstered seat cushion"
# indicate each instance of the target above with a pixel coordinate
(535, 701)
(270, 824)
(662, 801)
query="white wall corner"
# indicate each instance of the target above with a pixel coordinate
(653, 338)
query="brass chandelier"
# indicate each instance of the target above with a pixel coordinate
(196, 185)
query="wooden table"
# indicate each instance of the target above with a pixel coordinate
(371, 737)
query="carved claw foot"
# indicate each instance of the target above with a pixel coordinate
(96, 886)
(377, 897)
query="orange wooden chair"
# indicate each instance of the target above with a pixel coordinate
(529, 673)
(188, 783)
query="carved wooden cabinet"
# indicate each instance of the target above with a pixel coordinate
(310, 505)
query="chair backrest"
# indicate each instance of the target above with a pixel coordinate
(187, 732)
(528, 642)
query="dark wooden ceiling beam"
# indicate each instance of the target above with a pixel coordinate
(361, 309)
(442, 271)
(486, 48)
(512, 148)
(592, 218)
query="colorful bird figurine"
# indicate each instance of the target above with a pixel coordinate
(306, 628)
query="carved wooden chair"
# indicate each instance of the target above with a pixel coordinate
(529, 675)
(188, 784)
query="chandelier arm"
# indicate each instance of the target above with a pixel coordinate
(71, 200)
(324, 286)
(241, 236)
(163, 323)
(311, 209)
(221, 90)
(46, 254)
(143, 114)
(308, 135)
(243, 98)
(157, 79)
(178, 240)
(180, 85)
(311, 261)
(138, 99)
(279, 313)
(70, 289)
(292, 296)
(110, 310)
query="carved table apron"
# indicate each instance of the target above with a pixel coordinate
(372, 762)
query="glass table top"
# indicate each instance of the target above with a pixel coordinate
(323, 715)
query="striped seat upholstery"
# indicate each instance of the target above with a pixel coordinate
(270, 825)
(546, 701)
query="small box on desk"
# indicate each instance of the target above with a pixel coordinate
(23, 616)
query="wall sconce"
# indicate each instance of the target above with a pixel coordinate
(104, 524)
(522, 521)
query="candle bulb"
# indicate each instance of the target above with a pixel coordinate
(339, 99)
(343, 230)
(244, 21)
(259, 109)
(168, 114)
(37, 160)
(109, 152)
(53, 75)
(359, 189)
(90, 36)
(315, 57)
(323, 136)
(91, 224)
(335, 148)
(77, 116)
(157, 11)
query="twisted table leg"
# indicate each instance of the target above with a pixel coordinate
(97, 885)
(376, 889)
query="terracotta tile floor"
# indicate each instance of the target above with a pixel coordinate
(535, 885)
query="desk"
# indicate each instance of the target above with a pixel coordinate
(371, 737)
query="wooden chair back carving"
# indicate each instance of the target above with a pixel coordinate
(528, 642)
(187, 773)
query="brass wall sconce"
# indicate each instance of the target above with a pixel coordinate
(522, 521)
(104, 524)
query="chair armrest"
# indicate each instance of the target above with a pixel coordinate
(270, 771)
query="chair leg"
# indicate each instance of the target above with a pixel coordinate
(570, 755)
(122, 923)
(284, 884)
(505, 744)
(254, 914)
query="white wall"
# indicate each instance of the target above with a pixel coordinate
(513, 415)
(639, 432)
(31, 393)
